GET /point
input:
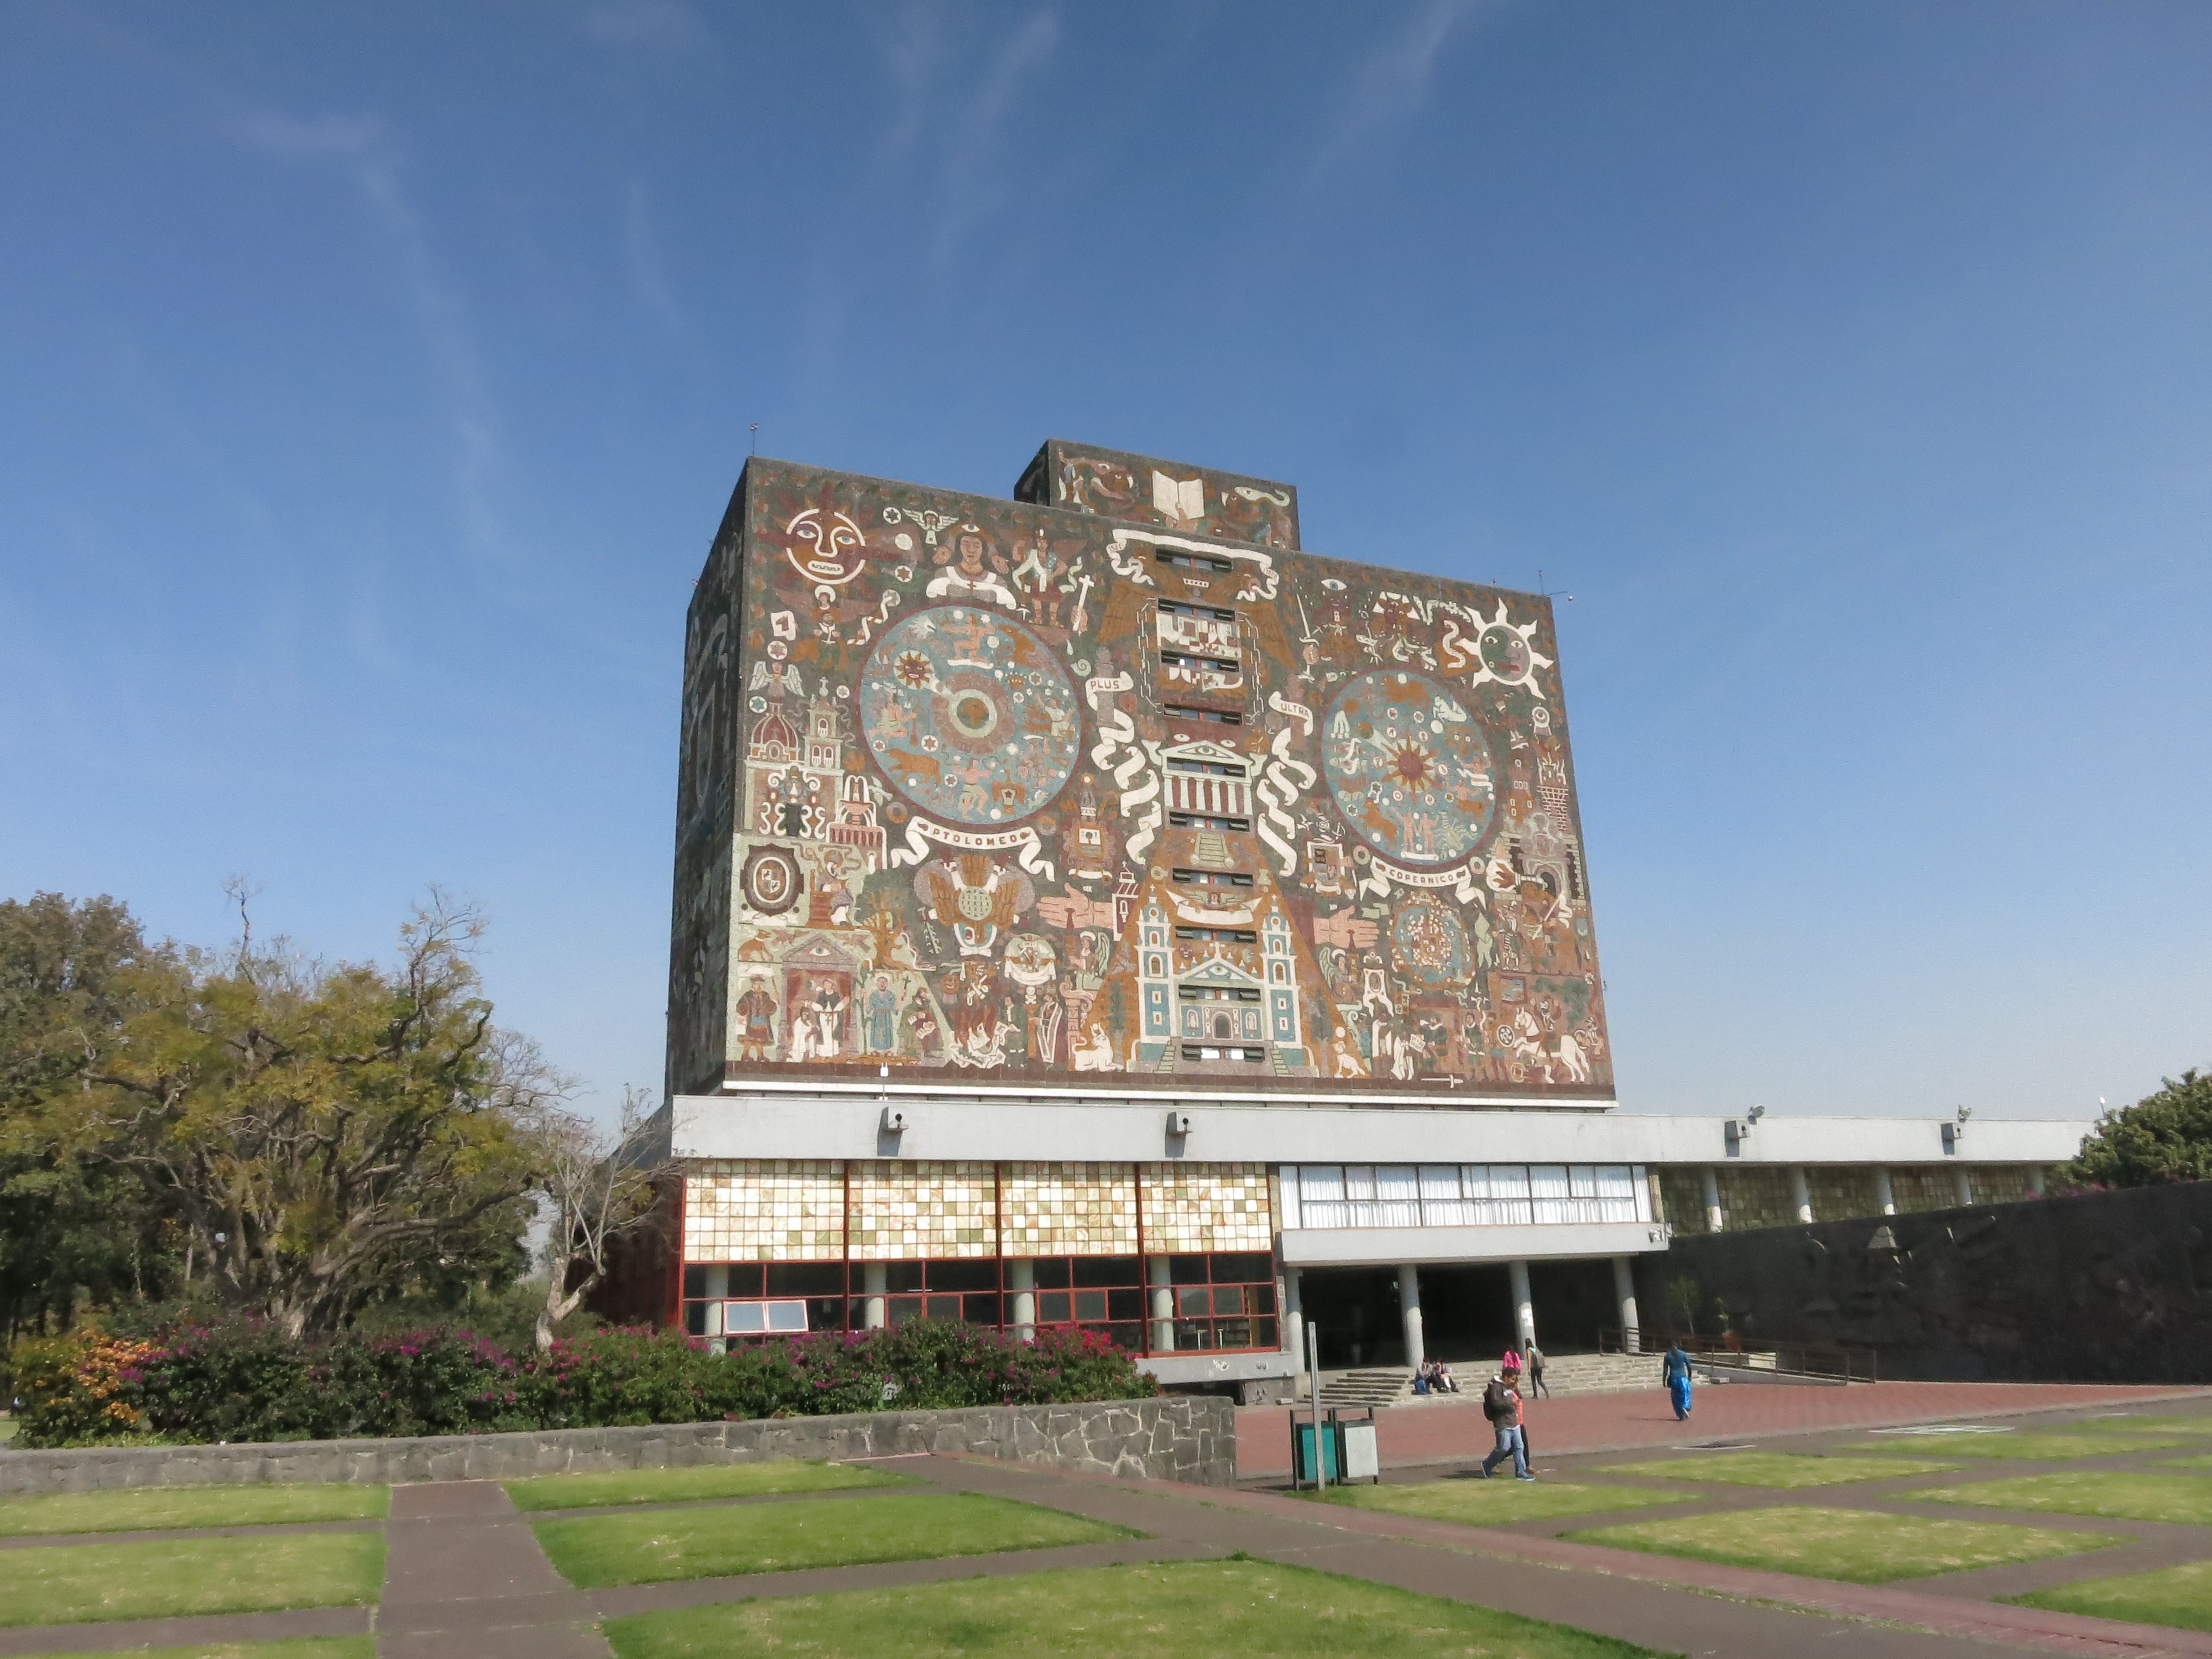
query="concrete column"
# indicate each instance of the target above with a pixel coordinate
(1021, 1282)
(875, 1279)
(1884, 1200)
(1623, 1292)
(1294, 1319)
(1963, 1181)
(1801, 1195)
(1524, 1310)
(1409, 1309)
(718, 1287)
(1715, 1220)
(2035, 1181)
(1158, 1275)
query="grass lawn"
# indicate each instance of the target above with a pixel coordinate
(2053, 1446)
(594, 1550)
(1489, 1503)
(148, 1507)
(2143, 1423)
(2180, 1596)
(8, 1427)
(70, 1583)
(1182, 1610)
(576, 1492)
(2203, 1463)
(1785, 1469)
(2123, 1495)
(1856, 1546)
(305, 1647)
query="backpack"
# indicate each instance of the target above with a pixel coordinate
(1496, 1400)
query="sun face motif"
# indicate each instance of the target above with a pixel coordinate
(1507, 653)
(913, 669)
(1412, 764)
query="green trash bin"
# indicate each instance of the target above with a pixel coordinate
(1302, 1451)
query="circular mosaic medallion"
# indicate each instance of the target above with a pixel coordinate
(969, 715)
(1410, 768)
(770, 879)
(1430, 945)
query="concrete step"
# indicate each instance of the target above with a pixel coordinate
(1354, 1389)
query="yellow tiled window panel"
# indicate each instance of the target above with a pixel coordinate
(1070, 1209)
(908, 1212)
(1206, 1206)
(765, 1210)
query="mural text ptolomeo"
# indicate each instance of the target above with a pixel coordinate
(1113, 778)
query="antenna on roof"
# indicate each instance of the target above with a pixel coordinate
(753, 427)
(1547, 593)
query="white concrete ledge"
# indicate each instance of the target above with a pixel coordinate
(1103, 1129)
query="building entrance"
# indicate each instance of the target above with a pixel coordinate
(1356, 1310)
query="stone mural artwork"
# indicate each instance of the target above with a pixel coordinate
(1114, 778)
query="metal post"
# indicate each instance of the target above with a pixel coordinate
(1313, 1376)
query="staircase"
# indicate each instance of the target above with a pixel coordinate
(1355, 1389)
(1596, 1373)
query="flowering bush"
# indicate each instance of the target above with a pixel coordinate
(243, 1380)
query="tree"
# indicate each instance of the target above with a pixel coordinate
(71, 974)
(594, 1190)
(2166, 1136)
(329, 1135)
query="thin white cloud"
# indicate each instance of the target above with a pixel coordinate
(657, 25)
(969, 185)
(360, 145)
(1392, 83)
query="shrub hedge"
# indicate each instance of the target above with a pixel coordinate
(244, 1380)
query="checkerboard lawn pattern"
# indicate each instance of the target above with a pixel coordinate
(1183, 1610)
(150, 1508)
(1492, 1503)
(70, 1583)
(1856, 1546)
(306, 1647)
(2180, 1596)
(1789, 1470)
(577, 1492)
(2122, 1495)
(597, 1550)
(2054, 1446)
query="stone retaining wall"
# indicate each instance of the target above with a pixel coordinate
(1177, 1437)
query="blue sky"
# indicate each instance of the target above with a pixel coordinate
(373, 376)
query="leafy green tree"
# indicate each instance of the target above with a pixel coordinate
(72, 1229)
(2166, 1136)
(329, 1134)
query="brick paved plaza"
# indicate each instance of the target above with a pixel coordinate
(1670, 1544)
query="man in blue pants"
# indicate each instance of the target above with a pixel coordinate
(1676, 1371)
(1501, 1404)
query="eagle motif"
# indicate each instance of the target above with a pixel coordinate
(977, 899)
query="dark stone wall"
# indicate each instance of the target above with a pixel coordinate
(2094, 1287)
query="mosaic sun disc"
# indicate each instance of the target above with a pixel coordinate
(1410, 768)
(969, 716)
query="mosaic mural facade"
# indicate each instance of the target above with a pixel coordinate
(1114, 778)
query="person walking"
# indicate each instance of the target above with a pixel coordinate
(1537, 1390)
(1501, 1404)
(1675, 1369)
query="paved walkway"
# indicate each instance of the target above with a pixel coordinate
(465, 1576)
(1452, 1432)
